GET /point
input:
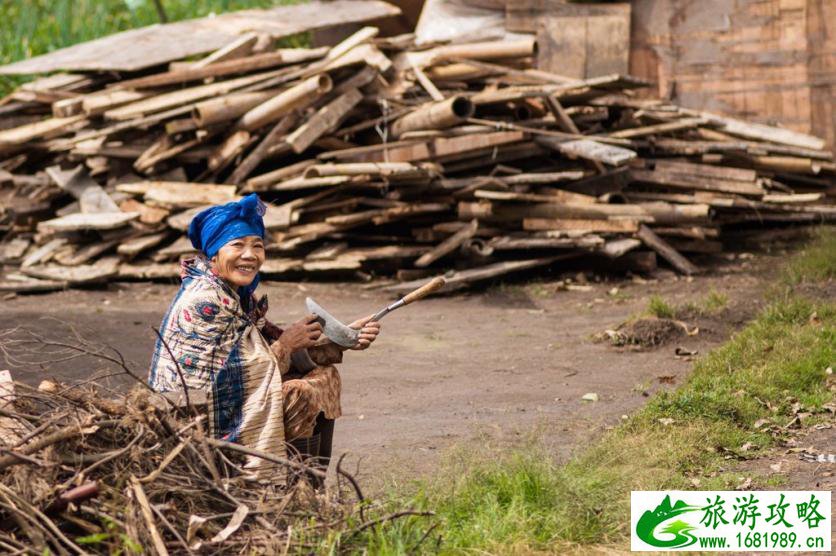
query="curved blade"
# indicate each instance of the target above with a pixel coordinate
(333, 329)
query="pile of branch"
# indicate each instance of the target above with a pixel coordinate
(383, 159)
(81, 473)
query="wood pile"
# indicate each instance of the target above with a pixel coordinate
(82, 473)
(378, 158)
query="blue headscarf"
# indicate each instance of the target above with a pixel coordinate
(214, 227)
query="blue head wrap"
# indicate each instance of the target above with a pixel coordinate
(214, 227)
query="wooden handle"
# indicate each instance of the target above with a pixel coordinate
(432, 286)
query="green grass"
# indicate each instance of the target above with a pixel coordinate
(521, 502)
(816, 261)
(712, 303)
(33, 27)
(660, 308)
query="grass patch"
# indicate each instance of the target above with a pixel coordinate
(711, 304)
(33, 27)
(660, 308)
(815, 262)
(521, 502)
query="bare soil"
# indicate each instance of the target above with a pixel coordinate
(489, 366)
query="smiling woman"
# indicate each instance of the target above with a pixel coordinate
(238, 261)
(264, 386)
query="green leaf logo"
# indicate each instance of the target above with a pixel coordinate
(681, 531)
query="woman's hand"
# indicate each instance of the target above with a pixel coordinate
(301, 334)
(368, 332)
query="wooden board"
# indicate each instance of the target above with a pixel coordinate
(465, 277)
(181, 220)
(582, 46)
(690, 182)
(84, 274)
(525, 16)
(578, 224)
(14, 250)
(134, 246)
(443, 147)
(159, 44)
(148, 271)
(588, 149)
(448, 245)
(23, 283)
(667, 252)
(50, 127)
(764, 61)
(180, 194)
(88, 221)
(575, 40)
(91, 197)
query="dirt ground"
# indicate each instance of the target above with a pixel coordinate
(490, 366)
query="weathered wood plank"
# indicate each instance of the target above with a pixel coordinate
(658, 129)
(691, 181)
(148, 271)
(22, 283)
(44, 129)
(88, 221)
(91, 197)
(667, 252)
(152, 46)
(99, 272)
(579, 224)
(448, 245)
(172, 194)
(440, 147)
(554, 196)
(325, 120)
(760, 132)
(466, 277)
(134, 246)
(618, 247)
(589, 150)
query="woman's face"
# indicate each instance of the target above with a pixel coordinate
(238, 261)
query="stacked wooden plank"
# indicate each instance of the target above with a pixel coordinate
(381, 159)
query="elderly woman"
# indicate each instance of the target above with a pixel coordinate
(263, 386)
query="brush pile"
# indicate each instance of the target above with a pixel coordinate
(81, 473)
(379, 158)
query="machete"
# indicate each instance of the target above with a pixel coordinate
(345, 336)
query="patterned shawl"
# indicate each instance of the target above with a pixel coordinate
(220, 350)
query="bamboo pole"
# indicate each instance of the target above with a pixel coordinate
(99, 103)
(229, 107)
(493, 50)
(230, 67)
(435, 115)
(181, 97)
(301, 94)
